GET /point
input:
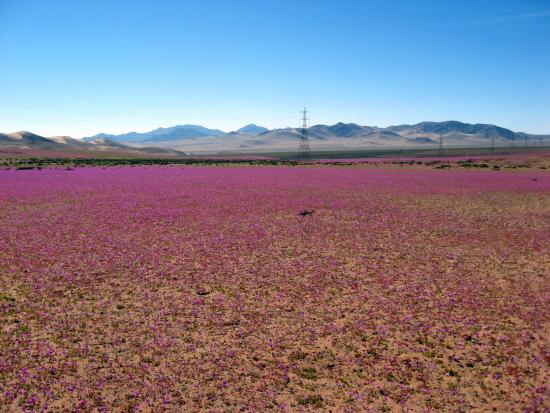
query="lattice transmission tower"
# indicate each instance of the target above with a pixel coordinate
(303, 151)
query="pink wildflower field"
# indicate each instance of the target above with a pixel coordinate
(202, 289)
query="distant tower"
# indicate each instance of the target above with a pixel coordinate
(303, 151)
(440, 150)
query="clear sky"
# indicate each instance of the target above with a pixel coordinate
(82, 67)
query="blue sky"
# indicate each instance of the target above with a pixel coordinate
(82, 67)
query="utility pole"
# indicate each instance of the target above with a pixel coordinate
(440, 150)
(303, 151)
(493, 144)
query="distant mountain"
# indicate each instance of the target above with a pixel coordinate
(252, 130)
(26, 140)
(162, 134)
(449, 127)
(349, 129)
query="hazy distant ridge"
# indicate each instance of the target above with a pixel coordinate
(161, 134)
(421, 133)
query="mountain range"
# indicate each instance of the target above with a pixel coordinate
(329, 137)
(181, 139)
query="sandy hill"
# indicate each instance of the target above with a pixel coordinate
(24, 140)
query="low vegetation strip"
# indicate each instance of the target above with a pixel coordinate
(533, 159)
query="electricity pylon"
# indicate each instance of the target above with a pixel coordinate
(303, 151)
